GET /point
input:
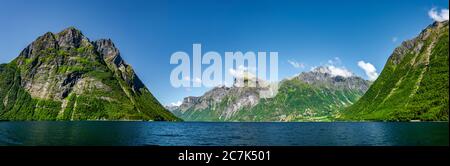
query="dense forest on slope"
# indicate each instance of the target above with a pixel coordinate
(413, 84)
(65, 76)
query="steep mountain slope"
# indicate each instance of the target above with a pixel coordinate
(218, 104)
(312, 96)
(413, 84)
(65, 76)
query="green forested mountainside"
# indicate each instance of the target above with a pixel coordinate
(65, 76)
(311, 96)
(298, 101)
(413, 84)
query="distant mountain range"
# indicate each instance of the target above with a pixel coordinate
(65, 76)
(311, 96)
(412, 86)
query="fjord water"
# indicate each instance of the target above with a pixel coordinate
(89, 133)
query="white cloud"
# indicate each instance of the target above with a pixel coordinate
(333, 70)
(177, 104)
(242, 72)
(296, 64)
(369, 69)
(338, 71)
(334, 61)
(394, 39)
(438, 16)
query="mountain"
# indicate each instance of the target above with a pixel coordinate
(413, 84)
(317, 95)
(218, 104)
(65, 76)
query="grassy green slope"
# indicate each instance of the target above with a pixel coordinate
(105, 96)
(295, 101)
(415, 89)
(17, 103)
(298, 101)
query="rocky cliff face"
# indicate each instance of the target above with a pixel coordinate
(42, 60)
(413, 84)
(311, 96)
(220, 103)
(65, 76)
(321, 76)
(110, 54)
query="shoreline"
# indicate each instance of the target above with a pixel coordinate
(226, 121)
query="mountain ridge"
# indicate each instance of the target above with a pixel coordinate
(413, 84)
(65, 76)
(244, 103)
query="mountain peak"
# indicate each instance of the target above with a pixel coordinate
(106, 42)
(58, 70)
(71, 38)
(321, 69)
(413, 84)
(70, 32)
(107, 47)
(332, 71)
(414, 46)
(333, 77)
(71, 28)
(109, 52)
(438, 24)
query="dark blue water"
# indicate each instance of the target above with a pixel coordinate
(223, 134)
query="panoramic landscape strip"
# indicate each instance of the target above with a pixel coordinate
(67, 77)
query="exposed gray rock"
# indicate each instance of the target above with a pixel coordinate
(111, 55)
(67, 71)
(321, 77)
(223, 103)
(226, 101)
(71, 38)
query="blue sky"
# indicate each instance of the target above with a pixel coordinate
(148, 32)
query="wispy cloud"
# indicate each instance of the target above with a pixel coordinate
(339, 71)
(394, 39)
(335, 61)
(438, 16)
(334, 68)
(178, 103)
(369, 69)
(296, 64)
(242, 72)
